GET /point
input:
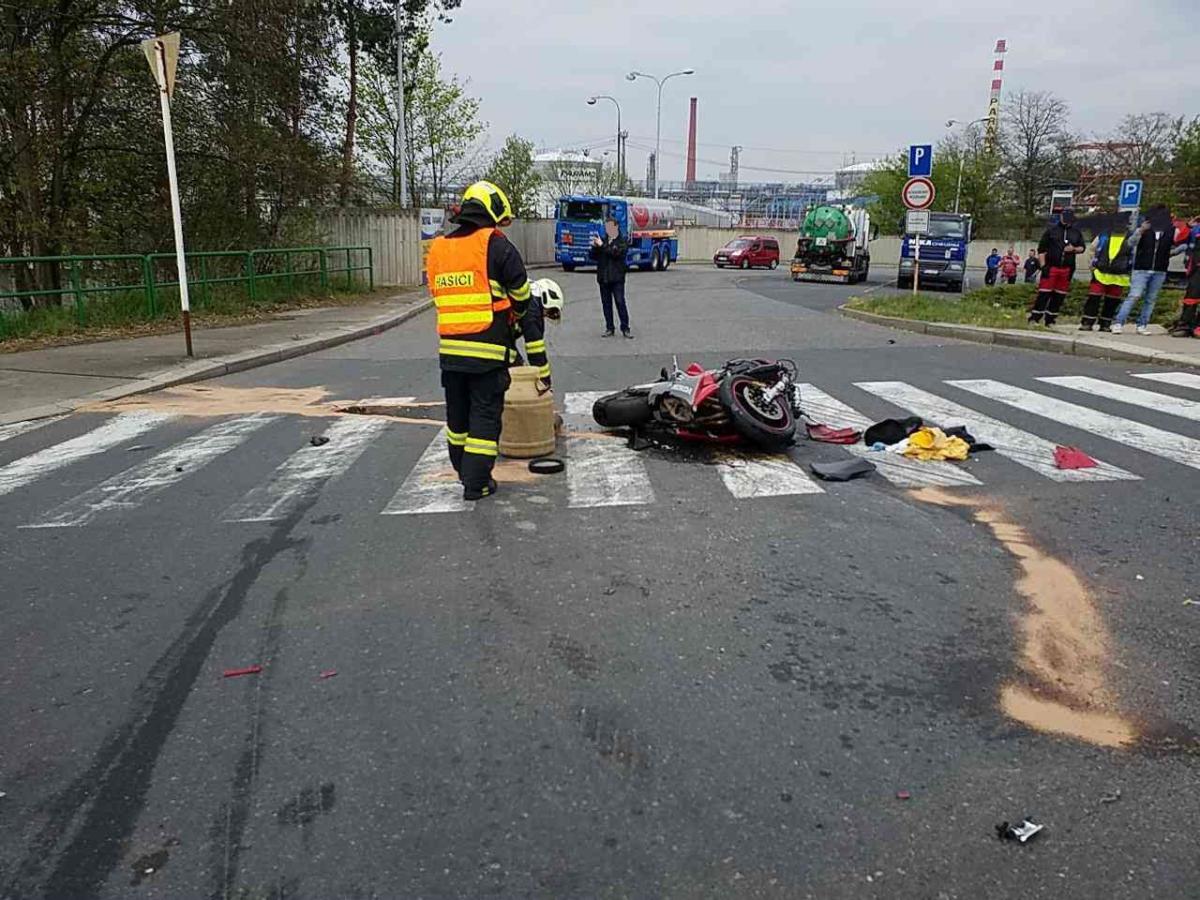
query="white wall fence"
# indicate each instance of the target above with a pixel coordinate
(395, 240)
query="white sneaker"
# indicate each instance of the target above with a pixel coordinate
(1143, 329)
(1115, 328)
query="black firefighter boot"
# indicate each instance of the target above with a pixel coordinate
(1091, 309)
(1039, 307)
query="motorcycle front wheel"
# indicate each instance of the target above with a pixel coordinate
(770, 426)
(624, 409)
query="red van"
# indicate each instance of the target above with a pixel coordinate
(748, 252)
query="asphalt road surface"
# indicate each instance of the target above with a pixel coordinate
(658, 674)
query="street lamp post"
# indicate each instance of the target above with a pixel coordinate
(634, 76)
(962, 157)
(620, 155)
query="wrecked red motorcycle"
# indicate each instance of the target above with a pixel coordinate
(751, 400)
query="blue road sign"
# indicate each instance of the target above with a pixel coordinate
(1130, 195)
(920, 160)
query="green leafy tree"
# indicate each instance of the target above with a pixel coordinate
(443, 132)
(512, 169)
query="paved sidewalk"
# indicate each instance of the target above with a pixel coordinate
(1157, 347)
(39, 383)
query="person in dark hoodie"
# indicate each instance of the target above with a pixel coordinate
(609, 253)
(1152, 242)
(1057, 250)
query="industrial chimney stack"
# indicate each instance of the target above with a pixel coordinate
(691, 151)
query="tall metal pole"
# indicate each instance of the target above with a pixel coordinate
(401, 154)
(962, 158)
(173, 182)
(620, 150)
(633, 76)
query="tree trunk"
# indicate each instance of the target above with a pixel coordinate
(347, 176)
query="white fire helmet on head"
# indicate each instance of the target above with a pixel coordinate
(548, 291)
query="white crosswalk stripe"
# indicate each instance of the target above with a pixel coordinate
(304, 472)
(754, 476)
(112, 433)
(1023, 448)
(130, 488)
(431, 486)
(1166, 444)
(601, 470)
(16, 428)
(1163, 403)
(1180, 379)
(900, 471)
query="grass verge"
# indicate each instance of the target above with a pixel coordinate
(1004, 306)
(123, 315)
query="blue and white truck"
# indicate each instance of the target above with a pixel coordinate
(943, 252)
(648, 225)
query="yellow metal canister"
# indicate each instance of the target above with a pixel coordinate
(527, 429)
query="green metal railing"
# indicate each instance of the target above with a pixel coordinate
(253, 270)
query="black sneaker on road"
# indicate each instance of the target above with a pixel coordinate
(628, 334)
(608, 333)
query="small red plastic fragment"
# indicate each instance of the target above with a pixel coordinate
(329, 673)
(248, 670)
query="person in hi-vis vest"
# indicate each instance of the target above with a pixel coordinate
(478, 282)
(1110, 274)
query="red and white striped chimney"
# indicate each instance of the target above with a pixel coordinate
(691, 151)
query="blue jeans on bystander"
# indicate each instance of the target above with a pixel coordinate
(1143, 285)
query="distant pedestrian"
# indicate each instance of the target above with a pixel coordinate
(1152, 243)
(993, 267)
(609, 253)
(1032, 266)
(1057, 250)
(1010, 264)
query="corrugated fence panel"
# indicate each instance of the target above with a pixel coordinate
(394, 237)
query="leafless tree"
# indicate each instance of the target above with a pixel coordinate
(1034, 131)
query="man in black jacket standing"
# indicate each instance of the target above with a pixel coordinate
(609, 253)
(1152, 244)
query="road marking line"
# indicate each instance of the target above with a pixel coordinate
(128, 489)
(1167, 444)
(601, 471)
(1021, 447)
(1163, 403)
(16, 428)
(750, 476)
(303, 473)
(899, 470)
(115, 431)
(430, 487)
(1182, 379)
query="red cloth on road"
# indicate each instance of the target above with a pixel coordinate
(825, 434)
(1072, 458)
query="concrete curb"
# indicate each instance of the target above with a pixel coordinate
(1093, 347)
(202, 370)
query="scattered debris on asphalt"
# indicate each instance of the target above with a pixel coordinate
(785, 797)
(842, 471)
(1072, 458)
(179, 468)
(828, 435)
(137, 447)
(237, 673)
(891, 431)
(1111, 798)
(546, 465)
(1140, 577)
(318, 440)
(329, 673)
(903, 795)
(929, 443)
(1022, 831)
(1190, 602)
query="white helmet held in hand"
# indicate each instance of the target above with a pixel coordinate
(548, 291)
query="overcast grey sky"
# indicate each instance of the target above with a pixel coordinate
(804, 88)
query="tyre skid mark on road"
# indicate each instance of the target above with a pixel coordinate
(1065, 647)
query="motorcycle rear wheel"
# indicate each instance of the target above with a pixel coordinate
(623, 409)
(769, 426)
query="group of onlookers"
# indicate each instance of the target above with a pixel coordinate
(1125, 262)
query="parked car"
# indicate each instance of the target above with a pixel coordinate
(748, 252)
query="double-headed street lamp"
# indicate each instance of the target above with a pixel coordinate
(634, 76)
(962, 156)
(620, 153)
